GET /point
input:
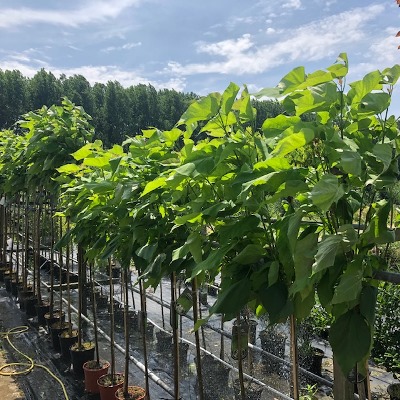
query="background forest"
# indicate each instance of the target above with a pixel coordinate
(116, 111)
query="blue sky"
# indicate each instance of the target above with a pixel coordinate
(197, 46)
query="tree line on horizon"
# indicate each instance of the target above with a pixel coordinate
(117, 111)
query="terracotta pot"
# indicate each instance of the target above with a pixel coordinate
(80, 355)
(134, 393)
(108, 387)
(55, 331)
(93, 372)
(66, 342)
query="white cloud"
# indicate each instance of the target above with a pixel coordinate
(295, 4)
(226, 47)
(126, 46)
(89, 12)
(314, 41)
(270, 31)
(93, 74)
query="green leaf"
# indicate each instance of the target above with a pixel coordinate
(238, 230)
(349, 287)
(273, 127)
(377, 231)
(68, 169)
(201, 110)
(83, 152)
(268, 92)
(292, 80)
(341, 67)
(383, 153)
(232, 299)
(293, 142)
(350, 338)
(213, 261)
(368, 303)
(194, 243)
(273, 273)
(361, 88)
(327, 249)
(98, 162)
(275, 300)
(228, 98)
(350, 161)
(153, 185)
(326, 192)
(249, 255)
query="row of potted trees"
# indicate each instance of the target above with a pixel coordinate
(280, 212)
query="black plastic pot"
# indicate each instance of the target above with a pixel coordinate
(273, 343)
(116, 272)
(3, 270)
(22, 295)
(215, 377)
(55, 330)
(102, 301)
(56, 317)
(253, 390)
(8, 279)
(30, 306)
(80, 356)
(183, 353)
(65, 344)
(316, 361)
(394, 391)
(14, 287)
(41, 310)
(164, 342)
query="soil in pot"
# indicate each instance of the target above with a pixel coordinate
(253, 390)
(41, 310)
(93, 371)
(55, 331)
(56, 317)
(66, 341)
(394, 391)
(108, 385)
(134, 393)
(80, 355)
